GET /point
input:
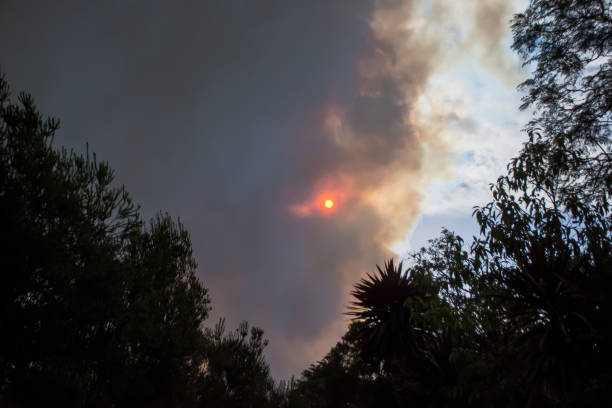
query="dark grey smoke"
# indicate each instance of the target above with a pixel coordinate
(214, 111)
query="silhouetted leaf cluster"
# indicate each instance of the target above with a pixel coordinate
(569, 45)
(97, 307)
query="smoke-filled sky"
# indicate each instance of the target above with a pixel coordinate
(243, 117)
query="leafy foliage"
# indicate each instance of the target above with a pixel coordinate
(523, 318)
(235, 372)
(387, 328)
(96, 307)
(342, 378)
(569, 42)
(545, 239)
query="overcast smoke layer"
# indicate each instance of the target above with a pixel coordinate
(242, 117)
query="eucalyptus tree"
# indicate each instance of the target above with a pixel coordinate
(545, 250)
(568, 44)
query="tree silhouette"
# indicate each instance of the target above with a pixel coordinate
(523, 318)
(96, 309)
(386, 328)
(404, 329)
(545, 241)
(236, 373)
(569, 43)
(342, 378)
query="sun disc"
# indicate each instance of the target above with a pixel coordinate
(329, 204)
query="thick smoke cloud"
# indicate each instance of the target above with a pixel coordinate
(239, 117)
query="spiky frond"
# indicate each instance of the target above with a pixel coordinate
(388, 332)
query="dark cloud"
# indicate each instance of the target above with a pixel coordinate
(230, 114)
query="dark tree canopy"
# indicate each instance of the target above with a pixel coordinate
(96, 307)
(236, 373)
(546, 244)
(569, 45)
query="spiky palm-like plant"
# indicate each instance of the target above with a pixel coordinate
(388, 330)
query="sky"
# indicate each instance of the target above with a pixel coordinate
(242, 118)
